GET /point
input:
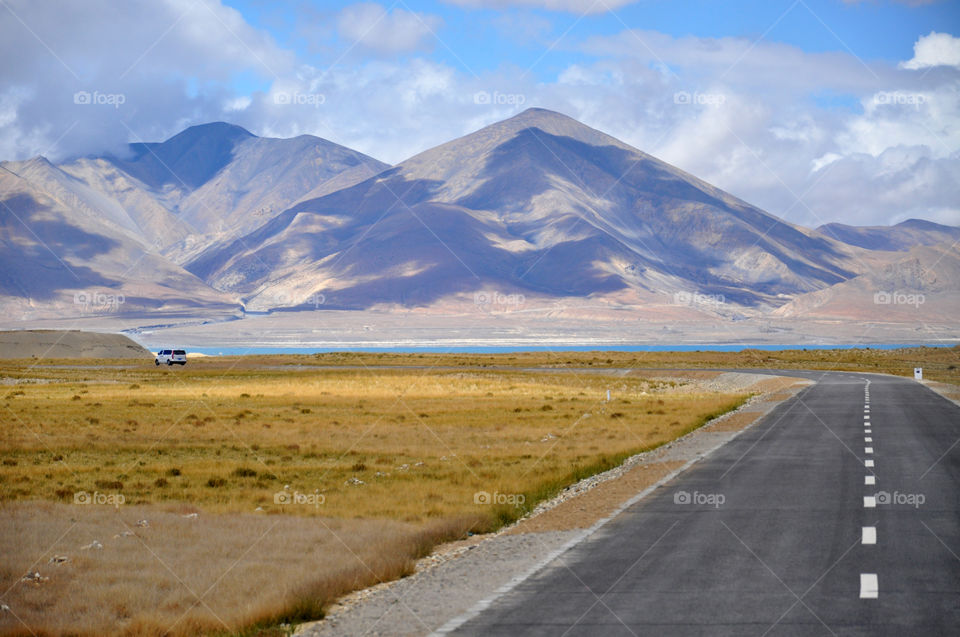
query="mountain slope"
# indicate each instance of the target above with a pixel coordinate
(265, 176)
(186, 160)
(64, 252)
(216, 181)
(538, 203)
(898, 238)
(919, 286)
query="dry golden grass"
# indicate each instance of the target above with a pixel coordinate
(186, 576)
(939, 363)
(421, 442)
(353, 473)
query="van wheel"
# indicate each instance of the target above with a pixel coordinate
(169, 363)
(157, 363)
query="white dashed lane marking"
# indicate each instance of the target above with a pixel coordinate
(869, 586)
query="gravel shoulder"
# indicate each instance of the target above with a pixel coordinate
(463, 577)
(948, 391)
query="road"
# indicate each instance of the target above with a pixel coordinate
(779, 532)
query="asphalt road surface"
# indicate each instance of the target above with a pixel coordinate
(838, 514)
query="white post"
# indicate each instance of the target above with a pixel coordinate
(917, 373)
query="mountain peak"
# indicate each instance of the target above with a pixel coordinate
(189, 158)
(535, 112)
(221, 130)
(923, 224)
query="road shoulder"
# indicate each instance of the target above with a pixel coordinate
(948, 391)
(461, 578)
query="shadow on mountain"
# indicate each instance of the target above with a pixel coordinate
(362, 206)
(18, 214)
(38, 269)
(189, 158)
(539, 212)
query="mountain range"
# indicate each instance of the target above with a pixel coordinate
(218, 221)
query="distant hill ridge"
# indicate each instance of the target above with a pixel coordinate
(49, 344)
(216, 220)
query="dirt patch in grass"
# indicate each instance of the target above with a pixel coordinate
(777, 384)
(736, 422)
(583, 511)
(779, 396)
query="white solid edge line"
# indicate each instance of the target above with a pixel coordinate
(869, 502)
(483, 604)
(868, 535)
(869, 586)
(868, 463)
(869, 480)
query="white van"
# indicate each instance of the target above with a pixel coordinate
(171, 357)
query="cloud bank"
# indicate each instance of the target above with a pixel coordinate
(812, 137)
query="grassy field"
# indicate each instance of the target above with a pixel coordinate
(227, 455)
(184, 575)
(939, 363)
(409, 445)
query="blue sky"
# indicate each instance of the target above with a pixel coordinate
(815, 110)
(478, 39)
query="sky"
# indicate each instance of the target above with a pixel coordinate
(815, 110)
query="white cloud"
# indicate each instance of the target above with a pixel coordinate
(884, 156)
(935, 49)
(768, 140)
(825, 160)
(397, 31)
(170, 61)
(572, 6)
